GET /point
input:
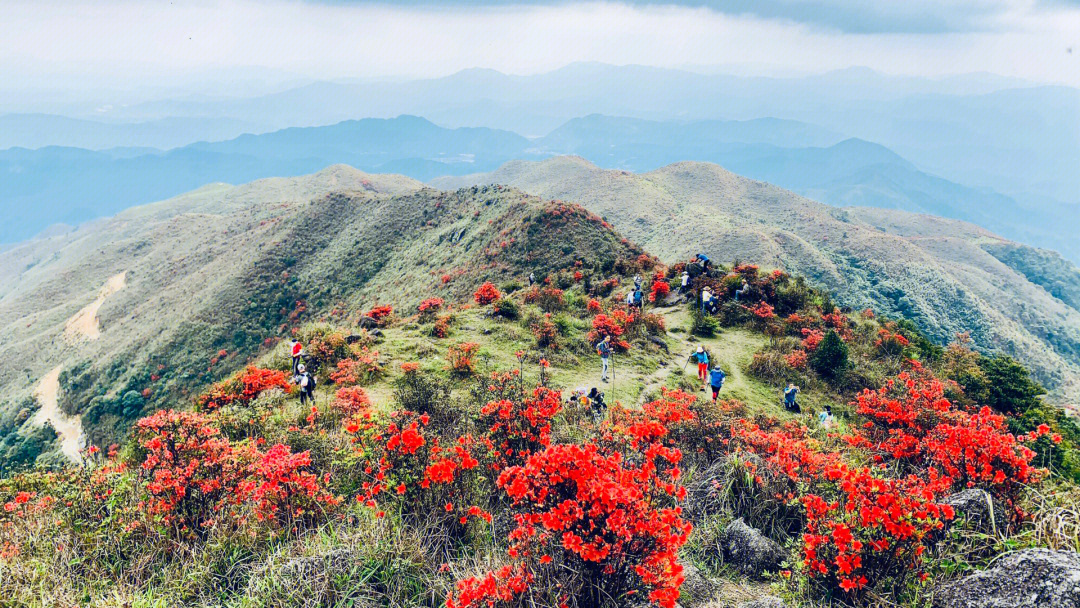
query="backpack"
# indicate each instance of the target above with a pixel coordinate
(304, 380)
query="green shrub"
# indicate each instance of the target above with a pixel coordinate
(506, 308)
(703, 325)
(830, 358)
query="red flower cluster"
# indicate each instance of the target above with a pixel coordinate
(282, 488)
(486, 294)
(460, 356)
(517, 426)
(243, 387)
(380, 312)
(659, 291)
(430, 306)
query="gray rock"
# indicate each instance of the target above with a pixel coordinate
(1032, 578)
(697, 589)
(657, 341)
(750, 551)
(979, 510)
(367, 322)
(768, 601)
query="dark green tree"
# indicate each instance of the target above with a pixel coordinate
(830, 358)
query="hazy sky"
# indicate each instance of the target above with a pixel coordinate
(145, 43)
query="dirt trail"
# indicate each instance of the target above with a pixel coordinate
(69, 429)
(84, 324)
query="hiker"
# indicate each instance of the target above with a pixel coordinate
(629, 301)
(706, 299)
(596, 404)
(532, 279)
(825, 418)
(790, 404)
(741, 291)
(603, 348)
(578, 397)
(306, 382)
(685, 286)
(703, 260)
(637, 282)
(296, 351)
(702, 359)
(716, 380)
(639, 298)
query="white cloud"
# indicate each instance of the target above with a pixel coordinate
(139, 42)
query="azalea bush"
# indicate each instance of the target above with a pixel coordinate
(486, 294)
(243, 387)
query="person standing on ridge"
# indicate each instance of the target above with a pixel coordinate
(306, 382)
(716, 380)
(706, 299)
(603, 348)
(296, 351)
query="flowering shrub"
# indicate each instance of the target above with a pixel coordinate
(890, 344)
(546, 333)
(611, 326)
(351, 401)
(659, 291)
(189, 468)
(763, 310)
(430, 306)
(380, 313)
(243, 387)
(811, 338)
(282, 489)
(549, 299)
(461, 356)
(515, 426)
(593, 306)
(363, 368)
(796, 359)
(606, 522)
(441, 328)
(486, 294)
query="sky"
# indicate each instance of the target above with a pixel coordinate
(126, 44)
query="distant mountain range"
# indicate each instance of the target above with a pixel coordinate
(946, 275)
(69, 185)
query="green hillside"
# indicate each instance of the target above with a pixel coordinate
(942, 274)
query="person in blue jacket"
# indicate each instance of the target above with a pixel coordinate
(716, 381)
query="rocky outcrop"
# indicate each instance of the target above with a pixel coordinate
(1033, 578)
(978, 509)
(750, 551)
(697, 589)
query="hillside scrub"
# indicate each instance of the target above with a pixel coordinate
(460, 474)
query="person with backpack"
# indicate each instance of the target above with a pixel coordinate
(296, 351)
(639, 298)
(603, 348)
(306, 382)
(716, 381)
(532, 279)
(596, 404)
(629, 301)
(637, 282)
(790, 404)
(701, 356)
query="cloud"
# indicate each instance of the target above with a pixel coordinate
(125, 43)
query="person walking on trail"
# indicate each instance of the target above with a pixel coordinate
(716, 381)
(532, 279)
(790, 404)
(296, 351)
(603, 348)
(685, 285)
(306, 382)
(702, 358)
(825, 418)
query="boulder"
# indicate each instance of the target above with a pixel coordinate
(750, 551)
(697, 589)
(768, 601)
(367, 322)
(1032, 578)
(980, 512)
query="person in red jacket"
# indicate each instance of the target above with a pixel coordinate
(296, 350)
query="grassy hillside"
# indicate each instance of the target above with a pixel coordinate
(936, 272)
(216, 276)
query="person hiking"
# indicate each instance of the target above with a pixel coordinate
(637, 282)
(532, 279)
(701, 356)
(706, 299)
(741, 291)
(603, 348)
(716, 381)
(703, 260)
(596, 404)
(790, 404)
(306, 382)
(639, 298)
(685, 285)
(629, 301)
(825, 418)
(296, 351)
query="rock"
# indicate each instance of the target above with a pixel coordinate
(367, 322)
(706, 494)
(750, 551)
(376, 333)
(657, 341)
(768, 601)
(697, 589)
(980, 512)
(1032, 578)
